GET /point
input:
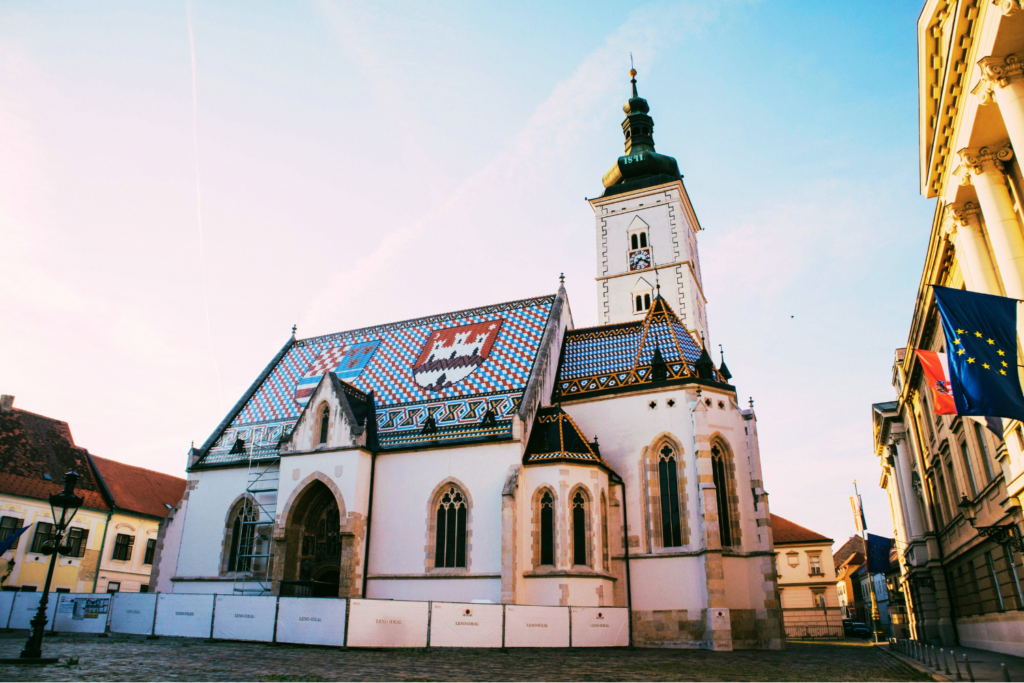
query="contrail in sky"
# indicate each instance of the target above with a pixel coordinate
(199, 198)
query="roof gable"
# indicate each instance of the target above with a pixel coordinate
(555, 436)
(137, 489)
(355, 409)
(785, 532)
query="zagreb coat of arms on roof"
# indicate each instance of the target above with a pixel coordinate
(453, 354)
(347, 362)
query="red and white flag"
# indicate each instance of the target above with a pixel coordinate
(936, 371)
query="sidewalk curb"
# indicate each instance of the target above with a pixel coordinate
(936, 676)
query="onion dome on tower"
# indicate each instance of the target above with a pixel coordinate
(641, 166)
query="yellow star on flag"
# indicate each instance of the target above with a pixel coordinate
(1001, 353)
(985, 365)
(1002, 372)
(960, 352)
(990, 341)
(977, 334)
(959, 331)
(970, 360)
(955, 342)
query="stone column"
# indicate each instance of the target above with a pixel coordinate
(1001, 82)
(971, 248)
(983, 167)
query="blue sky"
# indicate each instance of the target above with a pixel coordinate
(360, 163)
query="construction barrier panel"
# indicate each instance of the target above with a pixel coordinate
(82, 613)
(245, 617)
(533, 626)
(6, 603)
(457, 624)
(600, 627)
(133, 613)
(25, 607)
(313, 621)
(184, 614)
(388, 623)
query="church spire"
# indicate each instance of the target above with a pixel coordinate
(638, 126)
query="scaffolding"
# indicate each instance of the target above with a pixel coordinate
(254, 569)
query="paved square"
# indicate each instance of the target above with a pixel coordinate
(129, 659)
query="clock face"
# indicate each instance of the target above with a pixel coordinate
(640, 259)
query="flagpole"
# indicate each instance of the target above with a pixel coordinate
(876, 618)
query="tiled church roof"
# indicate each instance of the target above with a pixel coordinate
(471, 392)
(608, 358)
(786, 532)
(555, 436)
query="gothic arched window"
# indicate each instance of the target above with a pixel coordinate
(728, 520)
(450, 549)
(243, 541)
(325, 421)
(547, 529)
(579, 528)
(605, 551)
(671, 525)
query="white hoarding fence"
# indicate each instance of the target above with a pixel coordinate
(313, 621)
(388, 623)
(25, 607)
(245, 617)
(454, 624)
(600, 627)
(6, 603)
(184, 614)
(82, 613)
(133, 613)
(532, 626)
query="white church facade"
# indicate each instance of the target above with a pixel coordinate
(501, 454)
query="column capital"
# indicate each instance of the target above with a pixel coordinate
(1008, 7)
(996, 72)
(977, 160)
(959, 216)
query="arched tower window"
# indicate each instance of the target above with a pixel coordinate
(450, 549)
(725, 492)
(325, 421)
(635, 241)
(547, 529)
(647, 301)
(671, 525)
(580, 509)
(643, 240)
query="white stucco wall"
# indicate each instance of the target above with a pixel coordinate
(203, 533)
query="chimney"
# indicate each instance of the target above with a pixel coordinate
(6, 403)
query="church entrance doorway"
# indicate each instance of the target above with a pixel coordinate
(315, 545)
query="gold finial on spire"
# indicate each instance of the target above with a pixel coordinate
(632, 73)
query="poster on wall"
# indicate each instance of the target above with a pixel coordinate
(6, 603)
(25, 607)
(82, 613)
(455, 624)
(133, 613)
(245, 617)
(600, 627)
(189, 615)
(531, 626)
(387, 623)
(314, 621)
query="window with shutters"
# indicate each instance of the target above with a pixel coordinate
(76, 540)
(150, 551)
(9, 525)
(123, 544)
(44, 533)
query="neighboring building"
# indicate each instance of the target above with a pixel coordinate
(807, 580)
(960, 586)
(847, 560)
(456, 457)
(35, 454)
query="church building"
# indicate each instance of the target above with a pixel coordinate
(503, 454)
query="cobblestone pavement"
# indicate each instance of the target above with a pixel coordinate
(130, 659)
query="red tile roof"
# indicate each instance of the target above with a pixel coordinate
(785, 532)
(138, 489)
(855, 544)
(33, 447)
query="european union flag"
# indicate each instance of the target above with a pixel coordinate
(878, 554)
(981, 344)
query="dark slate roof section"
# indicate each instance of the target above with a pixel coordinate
(555, 437)
(619, 357)
(451, 378)
(33, 447)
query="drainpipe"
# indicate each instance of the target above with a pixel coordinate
(625, 545)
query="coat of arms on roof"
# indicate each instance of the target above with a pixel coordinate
(347, 362)
(453, 354)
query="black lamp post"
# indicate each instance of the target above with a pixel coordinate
(1003, 534)
(63, 505)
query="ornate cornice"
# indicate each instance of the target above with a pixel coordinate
(996, 72)
(972, 160)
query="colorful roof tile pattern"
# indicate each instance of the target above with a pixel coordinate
(611, 357)
(454, 367)
(555, 436)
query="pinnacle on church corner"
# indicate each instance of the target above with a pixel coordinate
(704, 365)
(723, 369)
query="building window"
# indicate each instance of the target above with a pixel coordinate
(241, 539)
(979, 432)
(44, 533)
(814, 561)
(61, 590)
(1020, 437)
(580, 510)
(635, 241)
(123, 547)
(325, 420)
(728, 517)
(547, 529)
(77, 539)
(150, 551)
(671, 526)
(605, 552)
(450, 549)
(819, 598)
(643, 240)
(144, 588)
(114, 587)
(971, 482)
(995, 581)
(1013, 575)
(9, 525)
(935, 501)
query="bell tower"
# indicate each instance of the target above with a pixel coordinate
(646, 230)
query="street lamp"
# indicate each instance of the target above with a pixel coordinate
(1003, 534)
(63, 506)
